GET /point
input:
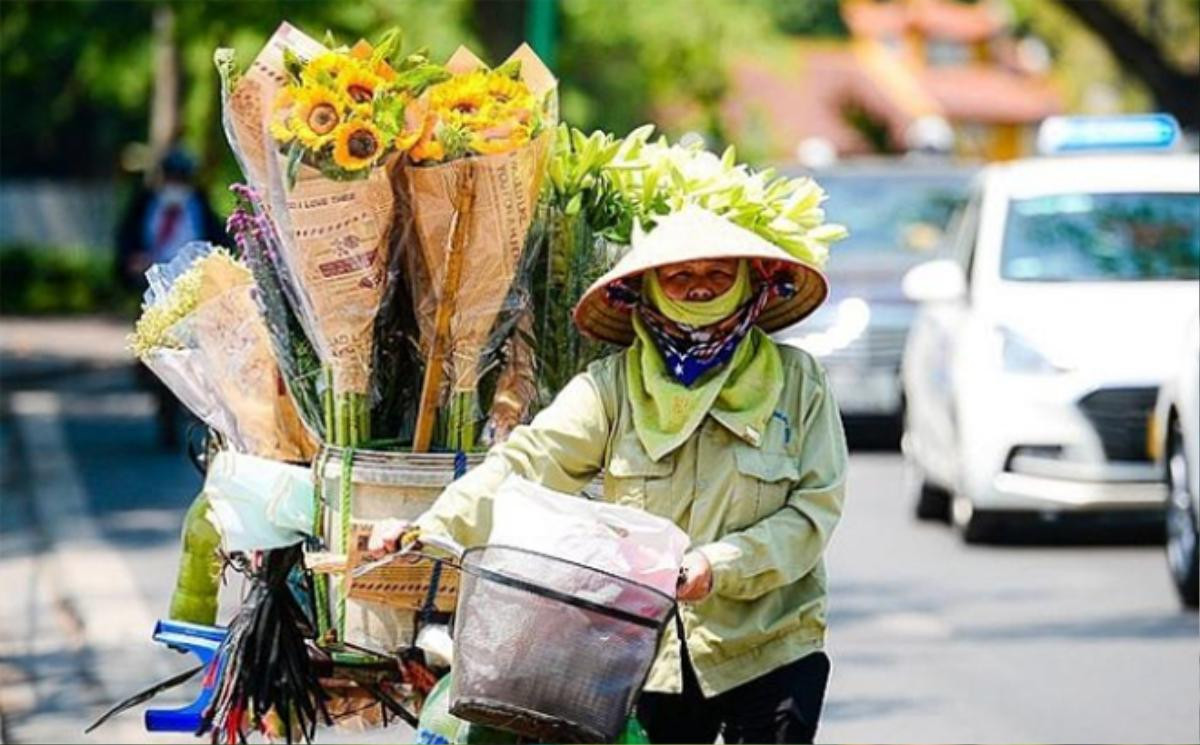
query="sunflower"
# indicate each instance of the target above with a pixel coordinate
(362, 53)
(282, 133)
(501, 138)
(507, 92)
(463, 97)
(410, 124)
(317, 114)
(357, 145)
(428, 149)
(331, 65)
(359, 84)
(285, 98)
(427, 146)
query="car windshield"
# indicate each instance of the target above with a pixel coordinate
(1082, 237)
(893, 211)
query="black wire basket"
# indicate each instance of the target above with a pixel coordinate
(551, 649)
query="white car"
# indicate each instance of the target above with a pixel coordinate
(897, 212)
(1033, 366)
(1175, 445)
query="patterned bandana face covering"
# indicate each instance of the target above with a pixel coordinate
(691, 351)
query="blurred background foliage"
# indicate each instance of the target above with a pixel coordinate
(60, 280)
(78, 76)
(78, 79)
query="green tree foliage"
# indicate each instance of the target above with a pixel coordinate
(821, 18)
(1095, 66)
(620, 59)
(77, 76)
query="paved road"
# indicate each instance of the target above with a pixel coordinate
(931, 641)
(934, 641)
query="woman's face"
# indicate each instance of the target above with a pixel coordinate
(698, 281)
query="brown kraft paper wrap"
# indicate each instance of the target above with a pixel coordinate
(506, 193)
(247, 110)
(506, 189)
(232, 343)
(336, 233)
(340, 254)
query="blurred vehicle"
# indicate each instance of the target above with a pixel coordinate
(897, 212)
(1175, 446)
(1033, 366)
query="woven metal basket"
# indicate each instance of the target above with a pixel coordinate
(551, 649)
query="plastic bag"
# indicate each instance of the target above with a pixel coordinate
(257, 503)
(624, 541)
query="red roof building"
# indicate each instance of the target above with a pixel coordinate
(914, 73)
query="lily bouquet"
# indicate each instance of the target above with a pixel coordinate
(601, 188)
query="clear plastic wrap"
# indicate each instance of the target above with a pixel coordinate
(233, 350)
(493, 230)
(334, 227)
(201, 333)
(619, 540)
(260, 248)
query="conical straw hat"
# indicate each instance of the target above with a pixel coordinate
(693, 234)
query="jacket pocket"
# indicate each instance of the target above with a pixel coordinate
(764, 480)
(632, 478)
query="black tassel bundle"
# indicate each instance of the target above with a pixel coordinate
(266, 679)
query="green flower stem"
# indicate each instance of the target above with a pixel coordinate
(327, 401)
(345, 506)
(321, 581)
(461, 434)
(347, 416)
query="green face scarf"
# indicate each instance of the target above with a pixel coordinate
(705, 312)
(741, 394)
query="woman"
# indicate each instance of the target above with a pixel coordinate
(705, 421)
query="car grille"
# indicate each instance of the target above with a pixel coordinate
(1120, 417)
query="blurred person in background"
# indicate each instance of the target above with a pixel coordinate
(164, 217)
(160, 220)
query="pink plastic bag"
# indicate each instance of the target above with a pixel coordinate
(624, 541)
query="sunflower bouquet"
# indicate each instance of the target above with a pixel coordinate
(346, 111)
(471, 183)
(319, 131)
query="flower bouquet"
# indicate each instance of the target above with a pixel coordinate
(601, 188)
(472, 187)
(319, 132)
(201, 333)
(659, 178)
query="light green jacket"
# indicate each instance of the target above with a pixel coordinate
(761, 506)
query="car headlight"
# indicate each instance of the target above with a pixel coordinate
(1020, 356)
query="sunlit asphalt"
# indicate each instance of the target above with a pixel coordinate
(932, 641)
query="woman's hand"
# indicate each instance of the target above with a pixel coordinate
(695, 578)
(386, 536)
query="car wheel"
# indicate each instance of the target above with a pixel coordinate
(973, 525)
(930, 502)
(1183, 542)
